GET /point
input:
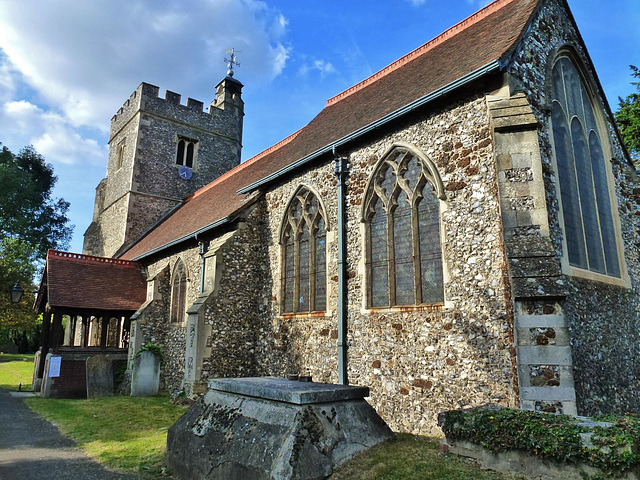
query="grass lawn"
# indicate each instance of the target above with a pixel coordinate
(14, 370)
(127, 434)
(413, 457)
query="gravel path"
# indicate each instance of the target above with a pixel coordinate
(31, 448)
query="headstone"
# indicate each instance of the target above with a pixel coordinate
(36, 383)
(145, 378)
(99, 376)
(272, 429)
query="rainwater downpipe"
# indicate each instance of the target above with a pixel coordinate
(341, 169)
(204, 247)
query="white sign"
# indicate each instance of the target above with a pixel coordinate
(54, 366)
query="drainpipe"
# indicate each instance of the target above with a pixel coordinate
(204, 247)
(341, 169)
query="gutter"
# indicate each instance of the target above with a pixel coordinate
(460, 82)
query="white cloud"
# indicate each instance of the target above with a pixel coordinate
(51, 135)
(321, 66)
(7, 80)
(417, 3)
(83, 58)
(281, 56)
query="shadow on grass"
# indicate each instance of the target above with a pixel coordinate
(123, 433)
(415, 457)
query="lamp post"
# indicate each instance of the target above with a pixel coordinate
(16, 293)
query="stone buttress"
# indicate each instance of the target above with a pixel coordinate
(543, 351)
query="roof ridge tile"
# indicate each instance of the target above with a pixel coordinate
(81, 257)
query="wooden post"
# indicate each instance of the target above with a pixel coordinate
(57, 332)
(85, 329)
(46, 336)
(119, 330)
(104, 331)
(72, 338)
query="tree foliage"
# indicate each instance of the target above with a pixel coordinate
(27, 209)
(31, 222)
(628, 118)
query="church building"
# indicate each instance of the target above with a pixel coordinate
(459, 229)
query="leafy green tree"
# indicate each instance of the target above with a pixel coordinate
(628, 118)
(27, 209)
(31, 222)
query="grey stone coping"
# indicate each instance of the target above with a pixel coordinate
(288, 391)
(548, 394)
(548, 355)
(533, 321)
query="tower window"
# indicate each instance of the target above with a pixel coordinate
(186, 152)
(120, 155)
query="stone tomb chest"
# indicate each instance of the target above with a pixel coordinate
(272, 428)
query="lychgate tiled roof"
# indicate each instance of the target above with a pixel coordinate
(92, 283)
(485, 37)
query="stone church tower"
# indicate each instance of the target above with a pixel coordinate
(161, 151)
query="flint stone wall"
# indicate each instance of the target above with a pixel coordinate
(417, 362)
(237, 312)
(157, 328)
(603, 319)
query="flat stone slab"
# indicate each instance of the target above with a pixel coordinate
(232, 436)
(288, 391)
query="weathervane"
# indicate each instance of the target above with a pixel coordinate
(231, 61)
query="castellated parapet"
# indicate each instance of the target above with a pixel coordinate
(145, 158)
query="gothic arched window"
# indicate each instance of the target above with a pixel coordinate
(178, 292)
(304, 253)
(402, 217)
(584, 188)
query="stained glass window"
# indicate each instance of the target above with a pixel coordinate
(304, 238)
(178, 293)
(584, 190)
(404, 261)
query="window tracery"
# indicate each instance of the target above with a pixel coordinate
(303, 239)
(584, 190)
(402, 217)
(178, 292)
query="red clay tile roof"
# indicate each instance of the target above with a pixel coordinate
(88, 282)
(487, 36)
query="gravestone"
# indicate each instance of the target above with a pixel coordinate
(145, 378)
(272, 429)
(99, 376)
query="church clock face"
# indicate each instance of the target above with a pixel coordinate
(184, 172)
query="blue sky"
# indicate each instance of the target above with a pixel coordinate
(66, 66)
